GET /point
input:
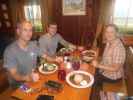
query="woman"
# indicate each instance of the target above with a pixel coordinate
(110, 68)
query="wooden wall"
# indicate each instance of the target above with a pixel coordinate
(77, 29)
(5, 18)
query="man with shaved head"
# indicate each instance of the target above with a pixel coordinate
(20, 56)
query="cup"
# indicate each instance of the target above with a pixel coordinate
(76, 65)
(61, 74)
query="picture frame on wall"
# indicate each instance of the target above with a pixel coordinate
(73, 7)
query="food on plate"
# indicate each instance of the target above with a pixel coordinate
(89, 53)
(87, 59)
(48, 67)
(79, 79)
(64, 51)
(83, 82)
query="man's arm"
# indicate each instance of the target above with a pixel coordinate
(17, 77)
(10, 63)
(66, 43)
(42, 46)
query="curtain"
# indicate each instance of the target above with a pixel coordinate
(17, 11)
(46, 8)
(105, 17)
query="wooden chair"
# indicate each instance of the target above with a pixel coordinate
(119, 87)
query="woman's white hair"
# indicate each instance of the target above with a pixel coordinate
(115, 28)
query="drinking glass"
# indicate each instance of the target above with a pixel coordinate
(61, 74)
(76, 65)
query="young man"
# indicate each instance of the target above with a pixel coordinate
(49, 42)
(111, 65)
(20, 57)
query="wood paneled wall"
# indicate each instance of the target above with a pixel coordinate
(77, 29)
(5, 18)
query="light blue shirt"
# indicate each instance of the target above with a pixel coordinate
(23, 60)
(48, 44)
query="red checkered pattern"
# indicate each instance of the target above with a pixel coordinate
(114, 53)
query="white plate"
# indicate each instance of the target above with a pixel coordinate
(66, 50)
(87, 58)
(47, 72)
(89, 51)
(90, 76)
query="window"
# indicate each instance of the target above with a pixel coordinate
(33, 14)
(123, 15)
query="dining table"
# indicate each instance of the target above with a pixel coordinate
(67, 93)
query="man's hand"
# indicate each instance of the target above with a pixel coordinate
(28, 78)
(59, 59)
(18, 77)
(72, 46)
(35, 76)
(44, 56)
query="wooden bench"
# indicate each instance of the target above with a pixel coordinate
(119, 87)
(3, 78)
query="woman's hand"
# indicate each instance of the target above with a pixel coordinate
(80, 48)
(95, 63)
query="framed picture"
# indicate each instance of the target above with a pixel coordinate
(73, 7)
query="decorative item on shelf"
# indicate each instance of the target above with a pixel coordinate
(8, 24)
(3, 7)
(5, 16)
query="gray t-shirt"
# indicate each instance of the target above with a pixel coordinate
(48, 45)
(23, 60)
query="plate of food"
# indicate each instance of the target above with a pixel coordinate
(88, 55)
(48, 68)
(80, 79)
(65, 51)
